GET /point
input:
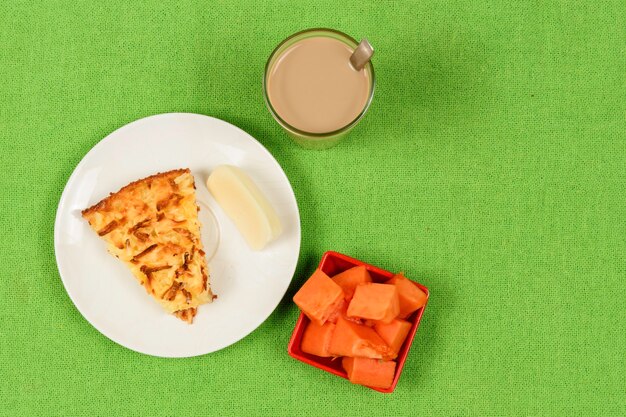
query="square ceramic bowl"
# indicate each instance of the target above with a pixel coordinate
(333, 263)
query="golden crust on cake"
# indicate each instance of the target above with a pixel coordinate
(152, 226)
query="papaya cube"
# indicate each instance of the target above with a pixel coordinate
(348, 280)
(319, 298)
(394, 334)
(375, 302)
(369, 372)
(352, 339)
(316, 339)
(410, 296)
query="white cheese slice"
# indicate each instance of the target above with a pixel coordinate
(245, 205)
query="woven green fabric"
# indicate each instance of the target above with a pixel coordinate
(491, 168)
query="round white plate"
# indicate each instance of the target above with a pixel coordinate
(249, 284)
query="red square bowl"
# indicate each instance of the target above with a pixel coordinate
(333, 263)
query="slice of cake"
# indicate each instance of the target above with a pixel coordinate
(152, 226)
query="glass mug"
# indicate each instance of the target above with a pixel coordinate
(319, 127)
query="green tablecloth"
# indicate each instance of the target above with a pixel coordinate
(491, 167)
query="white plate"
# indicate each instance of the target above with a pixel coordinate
(249, 284)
